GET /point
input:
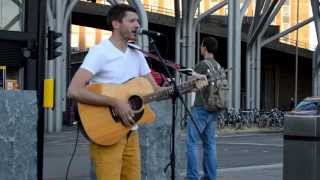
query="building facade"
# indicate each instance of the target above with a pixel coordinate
(84, 37)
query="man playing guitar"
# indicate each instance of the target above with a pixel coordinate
(112, 62)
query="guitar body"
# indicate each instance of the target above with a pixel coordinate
(99, 123)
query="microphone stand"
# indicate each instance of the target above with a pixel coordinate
(176, 93)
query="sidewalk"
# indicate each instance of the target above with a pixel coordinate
(58, 148)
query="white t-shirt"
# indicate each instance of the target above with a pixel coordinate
(108, 64)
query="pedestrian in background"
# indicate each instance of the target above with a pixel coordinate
(205, 120)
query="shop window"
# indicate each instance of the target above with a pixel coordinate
(10, 78)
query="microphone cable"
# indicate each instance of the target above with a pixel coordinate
(74, 150)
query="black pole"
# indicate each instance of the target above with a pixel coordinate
(174, 96)
(173, 135)
(42, 4)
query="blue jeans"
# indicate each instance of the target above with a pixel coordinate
(207, 122)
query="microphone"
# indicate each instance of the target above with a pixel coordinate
(142, 31)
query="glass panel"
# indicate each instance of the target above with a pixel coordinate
(12, 15)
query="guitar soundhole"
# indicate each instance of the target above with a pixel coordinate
(135, 102)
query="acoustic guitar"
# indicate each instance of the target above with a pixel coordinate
(100, 123)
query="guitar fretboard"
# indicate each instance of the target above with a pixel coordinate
(165, 93)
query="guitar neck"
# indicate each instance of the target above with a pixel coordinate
(167, 92)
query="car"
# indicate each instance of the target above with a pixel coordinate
(309, 106)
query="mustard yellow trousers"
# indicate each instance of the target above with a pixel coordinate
(120, 161)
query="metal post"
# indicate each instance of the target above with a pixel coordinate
(58, 16)
(178, 31)
(250, 57)
(58, 74)
(234, 59)
(253, 77)
(237, 55)
(243, 9)
(230, 51)
(269, 11)
(316, 55)
(296, 59)
(65, 25)
(248, 77)
(258, 73)
(50, 74)
(49, 112)
(315, 73)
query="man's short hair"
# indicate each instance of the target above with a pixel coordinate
(211, 44)
(117, 12)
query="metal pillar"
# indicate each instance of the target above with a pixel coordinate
(316, 55)
(58, 16)
(264, 14)
(234, 53)
(178, 30)
(244, 8)
(315, 72)
(250, 54)
(58, 75)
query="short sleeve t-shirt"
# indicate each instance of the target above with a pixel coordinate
(108, 64)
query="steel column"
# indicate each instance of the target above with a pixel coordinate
(258, 28)
(58, 74)
(49, 73)
(248, 103)
(316, 55)
(178, 31)
(58, 16)
(234, 53)
(315, 72)
(244, 8)
(258, 74)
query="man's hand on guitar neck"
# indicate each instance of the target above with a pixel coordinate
(201, 82)
(124, 111)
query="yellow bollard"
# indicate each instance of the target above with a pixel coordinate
(48, 93)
